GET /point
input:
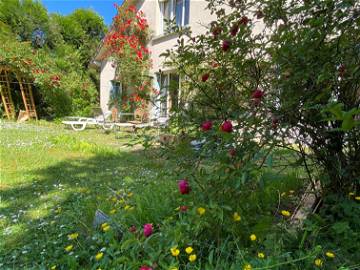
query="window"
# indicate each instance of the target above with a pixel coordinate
(176, 10)
(169, 92)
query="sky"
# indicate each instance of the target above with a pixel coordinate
(104, 8)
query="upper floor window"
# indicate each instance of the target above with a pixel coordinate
(177, 11)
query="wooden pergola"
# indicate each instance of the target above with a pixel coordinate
(25, 88)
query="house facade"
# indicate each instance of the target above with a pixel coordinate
(189, 13)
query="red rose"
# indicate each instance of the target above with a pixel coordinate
(207, 125)
(226, 45)
(205, 77)
(184, 186)
(148, 229)
(257, 94)
(234, 29)
(244, 20)
(227, 126)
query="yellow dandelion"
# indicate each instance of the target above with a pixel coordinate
(201, 211)
(247, 267)
(253, 237)
(105, 227)
(357, 198)
(73, 236)
(285, 213)
(330, 254)
(99, 256)
(236, 217)
(53, 267)
(113, 211)
(189, 250)
(175, 251)
(192, 258)
(318, 262)
(69, 248)
(261, 255)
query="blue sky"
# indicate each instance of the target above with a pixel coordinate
(104, 8)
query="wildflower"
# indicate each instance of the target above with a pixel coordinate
(318, 262)
(330, 254)
(253, 237)
(105, 227)
(207, 125)
(357, 198)
(201, 211)
(73, 236)
(227, 126)
(189, 250)
(69, 248)
(184, 186)
(99, 256)
(175, 251)
(113, 211)
(236, 217)
(261, 255)
(285, 213)
(148, 229)
(247, 267)
(192, 258)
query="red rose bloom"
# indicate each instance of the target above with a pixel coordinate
(205, 77)
(207, 125)
(184, 186)
(148, 229)
(227, 126)
(226, 45)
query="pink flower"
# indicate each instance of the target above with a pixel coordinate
(184, 186)
(205, 77)
(207, 125)
(145, 267)
(227, 126)
(148, 229)
(257, 94)
(226, 45)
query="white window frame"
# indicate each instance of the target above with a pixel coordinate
(172, 9)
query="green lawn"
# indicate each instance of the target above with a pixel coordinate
(53, 180)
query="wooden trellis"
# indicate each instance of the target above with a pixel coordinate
(26, 93)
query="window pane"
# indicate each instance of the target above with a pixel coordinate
(179, 12)
(187, 11)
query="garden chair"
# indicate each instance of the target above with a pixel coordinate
(80, 123)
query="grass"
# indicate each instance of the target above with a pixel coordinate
(53, 180)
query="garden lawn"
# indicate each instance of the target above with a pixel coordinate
(53, 180)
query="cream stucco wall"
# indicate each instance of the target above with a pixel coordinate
(107, 74)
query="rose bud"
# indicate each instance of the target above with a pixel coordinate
(207, 125)
(226, 45)
(232, 152)
(244, 20)
(132, 229)
(148, 229)
(257, 94)
(227, 126)
(183, 208)
(205, 77)
(234, 29)
(184, 186)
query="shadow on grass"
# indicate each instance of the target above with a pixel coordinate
(61, 199)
